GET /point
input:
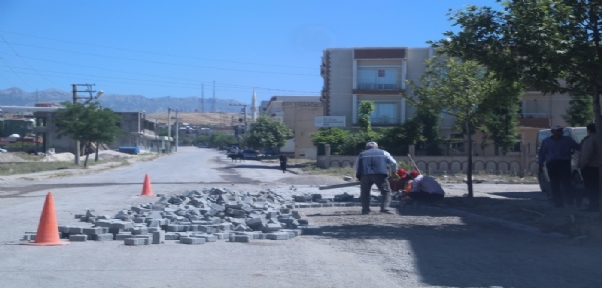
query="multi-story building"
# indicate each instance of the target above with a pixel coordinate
(379, 74)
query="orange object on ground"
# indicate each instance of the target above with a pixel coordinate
(48, 229)
(147, 190)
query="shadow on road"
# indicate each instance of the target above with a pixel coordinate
(471, 253)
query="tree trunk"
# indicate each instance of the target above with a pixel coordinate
(598, 121)
(96, 154)
(87, 154)
(469, 163)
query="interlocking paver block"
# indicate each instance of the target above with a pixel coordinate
(104, 237)
(171, 236)
(277, 236)
(158, 237)
(192, 240)
(123, 235)
(240, 238)
(78, 238)
(134, 241)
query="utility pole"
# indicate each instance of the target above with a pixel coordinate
(169, 126)
(213, 107)
(157, 136)
(202, 98)
(75, 97)
(177, 130)
(243, 112)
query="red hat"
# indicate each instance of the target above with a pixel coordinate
(401, 173)
(414, 173)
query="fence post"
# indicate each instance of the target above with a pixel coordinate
(327, 155)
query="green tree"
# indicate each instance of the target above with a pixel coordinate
(267, 132)
(365, 110)
(500, 114)
(429, 120)
(219, 139)
(93, 125)
(456, 88)
(334, 136)
(538, 42)
(580, 111)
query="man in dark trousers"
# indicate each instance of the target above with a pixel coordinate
(371, 168)
(283, 160)
(556, 154)
(589, 163)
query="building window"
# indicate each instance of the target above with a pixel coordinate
(377, 79)
(384, 113)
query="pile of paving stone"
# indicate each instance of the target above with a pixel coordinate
(196, 217)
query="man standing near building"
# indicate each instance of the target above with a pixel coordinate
(556, 154)
(371, 168)
(589, 163)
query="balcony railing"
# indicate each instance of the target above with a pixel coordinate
(365, 86)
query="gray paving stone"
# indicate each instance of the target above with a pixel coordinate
(158, 237)
(192, 240)
(171, 236)
(95, 230)
(240, 238)
(277, 236)
(135, 241)
(76, 230)
(123, 235)
(220, 236)
(78, 238)
(104, 237)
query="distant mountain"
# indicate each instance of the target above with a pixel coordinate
(119, 103)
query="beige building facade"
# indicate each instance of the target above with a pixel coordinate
(379, 74)
(298, 113)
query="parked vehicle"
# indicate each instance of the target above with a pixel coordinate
(202, 145)
(270, 151)
(577, 133)
(250, 155)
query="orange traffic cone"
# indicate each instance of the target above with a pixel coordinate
(48, 229)
(147, 190)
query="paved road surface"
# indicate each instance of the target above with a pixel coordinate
(416, 248)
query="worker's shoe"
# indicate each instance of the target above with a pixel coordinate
(365, 212)
(386, 211)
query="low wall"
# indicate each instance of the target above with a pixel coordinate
(450, 164)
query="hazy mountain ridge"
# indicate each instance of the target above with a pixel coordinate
(120, 103)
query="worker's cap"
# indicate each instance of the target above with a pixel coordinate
(414, 173)
(556, 127)
(371, 145)
(401, 173)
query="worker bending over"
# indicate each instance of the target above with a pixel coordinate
(423, 188)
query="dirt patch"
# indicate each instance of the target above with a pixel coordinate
(10, 158)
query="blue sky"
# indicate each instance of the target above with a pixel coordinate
(172, 48)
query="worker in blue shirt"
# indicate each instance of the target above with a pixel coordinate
(556, 153)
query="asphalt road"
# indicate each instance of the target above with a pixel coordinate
(415, 248)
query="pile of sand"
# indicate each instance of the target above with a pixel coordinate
(59, 157)
(109, 155)
(10, 158)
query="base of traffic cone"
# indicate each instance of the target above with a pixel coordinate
(48, 230)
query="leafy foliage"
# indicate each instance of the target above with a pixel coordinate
(364, 111)
(88, 123)
(267, 132)
(537, 42)
(580, 111)
(334, 136)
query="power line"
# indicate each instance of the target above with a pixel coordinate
(11, 47)
(11, 68)
(156, 53)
